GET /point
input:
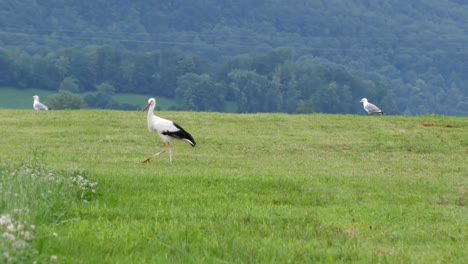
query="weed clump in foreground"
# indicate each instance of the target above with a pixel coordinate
(15, 240)
(33, 196)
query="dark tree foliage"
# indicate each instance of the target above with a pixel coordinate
(65, 100)
(270, 82)
(415, 48)
(200, 93)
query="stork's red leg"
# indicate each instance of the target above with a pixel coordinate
(160, 152)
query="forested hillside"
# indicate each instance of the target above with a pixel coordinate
(292, 56)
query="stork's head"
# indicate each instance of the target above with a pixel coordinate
(364, 100)
(151, 102)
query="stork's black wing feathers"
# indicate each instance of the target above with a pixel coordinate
(180, 133)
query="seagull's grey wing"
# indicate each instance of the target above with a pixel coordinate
(40, 106)
(371, 108)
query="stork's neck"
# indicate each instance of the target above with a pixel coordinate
(151, 119)
(151, 112)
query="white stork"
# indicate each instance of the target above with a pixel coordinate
(371, 108)
(166, 129)
(38, 105)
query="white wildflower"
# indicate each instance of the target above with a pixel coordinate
(11, 228)
(5, 220)
(27, 236)
(9, 237)
(18, 244)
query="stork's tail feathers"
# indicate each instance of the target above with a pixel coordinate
(181, 134)
(187, 137)
(192, 143)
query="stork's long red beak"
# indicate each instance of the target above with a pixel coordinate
(146, 107)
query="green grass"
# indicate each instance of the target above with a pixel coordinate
(31, 199)
(256, 188)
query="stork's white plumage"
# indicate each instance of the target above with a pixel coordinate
(371, 108)
(166, 129)
(38, 105)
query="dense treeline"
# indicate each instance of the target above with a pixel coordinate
(416, 48)
(270, 82)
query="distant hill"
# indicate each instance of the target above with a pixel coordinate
(417, 48)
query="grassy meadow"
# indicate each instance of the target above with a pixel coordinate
(257, 188)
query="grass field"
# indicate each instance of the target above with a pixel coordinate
(257, 188)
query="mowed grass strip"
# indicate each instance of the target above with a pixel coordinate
(257, 187)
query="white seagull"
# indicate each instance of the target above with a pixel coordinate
(38, 105)
(166, 129)
(371, 108)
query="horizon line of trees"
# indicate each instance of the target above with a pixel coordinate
(416, 49)
(269, 82)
